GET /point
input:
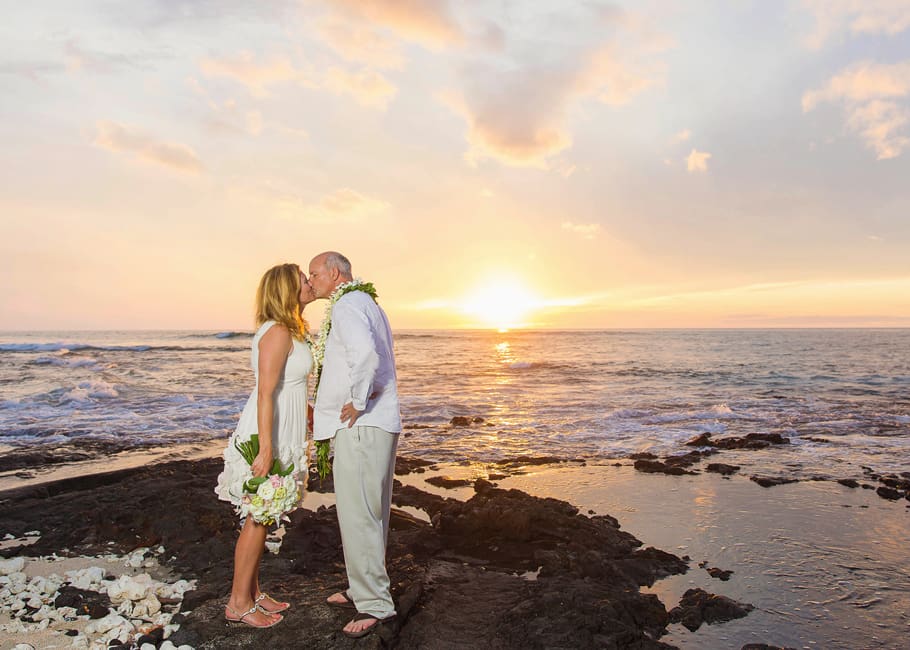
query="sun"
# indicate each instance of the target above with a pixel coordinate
(503, 304)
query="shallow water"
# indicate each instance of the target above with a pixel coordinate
(825, 566)
(594, 394)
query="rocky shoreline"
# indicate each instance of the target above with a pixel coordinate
(500, 570)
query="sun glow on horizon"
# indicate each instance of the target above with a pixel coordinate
(504, 304)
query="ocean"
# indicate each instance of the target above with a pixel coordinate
(842, 396)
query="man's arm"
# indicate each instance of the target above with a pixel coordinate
(353, 328)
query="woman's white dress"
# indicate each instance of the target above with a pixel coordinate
(290, 421)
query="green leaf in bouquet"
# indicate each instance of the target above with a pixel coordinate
(253, 484)
(323, 465)
(249, 449)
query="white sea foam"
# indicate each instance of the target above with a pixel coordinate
(96, 388)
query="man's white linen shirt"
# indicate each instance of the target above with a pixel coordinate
(359, 362)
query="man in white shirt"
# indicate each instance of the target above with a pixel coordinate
(357, 404)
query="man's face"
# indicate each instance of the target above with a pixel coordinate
(321, 278)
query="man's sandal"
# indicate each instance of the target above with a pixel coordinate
(252, 610)
(347, 604)
(369, 630)
(280, 606)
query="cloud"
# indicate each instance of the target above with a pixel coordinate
(257, 77)
(368, 87)
(682, 136)
(80, 58)
(360, 43)
(75, 58)
(33, 70)
(862, 82)
(124, 139)
(615, 80)
(587, 230)
(343, 205)
(697, 161)
(429, 22)
(874, 97)
(516, 105)
(833, 17)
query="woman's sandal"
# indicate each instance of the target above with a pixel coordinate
(252, 610)
(280, 606)
(347, 604)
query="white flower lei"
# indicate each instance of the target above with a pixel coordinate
(318, 351)
(318, 346)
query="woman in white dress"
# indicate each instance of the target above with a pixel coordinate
(277, 410)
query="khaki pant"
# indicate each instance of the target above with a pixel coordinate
(364, 469)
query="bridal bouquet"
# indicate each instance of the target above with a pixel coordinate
(267, 498)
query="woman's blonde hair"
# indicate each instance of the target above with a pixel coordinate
(278, 299)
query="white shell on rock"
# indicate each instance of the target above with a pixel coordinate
(105, 624)
(33, 533)
(23, 646)
(86, 579)
(80, 642)
(167, 645)
(12, 565)
(147, 646)
(44, 612)
(129, 588)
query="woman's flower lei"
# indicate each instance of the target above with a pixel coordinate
(318, 350)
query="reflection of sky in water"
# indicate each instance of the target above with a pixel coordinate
(825, 566)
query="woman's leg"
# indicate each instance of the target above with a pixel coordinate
(247, 555)
(268, 603)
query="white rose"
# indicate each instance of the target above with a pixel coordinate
(266, 490)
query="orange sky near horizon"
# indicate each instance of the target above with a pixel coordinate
(545, 165)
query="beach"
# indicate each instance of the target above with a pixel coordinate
(556, 489)
(537, 561)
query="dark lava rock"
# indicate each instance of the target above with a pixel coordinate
(405, 465)
(896, 482)
(688, 459)
(95, 604)
(154, 636)
(454, 581)
(701, 440)
(721, 468)
(697, 606)
(771, 481)
(657, 467)
(888, 493)
(518, 461)
(720, 574)
(464, 421)
(750, 441)
(448, 482)
(643, 455)
(848, 482)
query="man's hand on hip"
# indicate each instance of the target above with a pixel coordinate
(349, 414)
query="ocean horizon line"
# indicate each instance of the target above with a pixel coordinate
(215, 330)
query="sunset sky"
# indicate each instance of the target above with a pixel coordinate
(503, 163)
